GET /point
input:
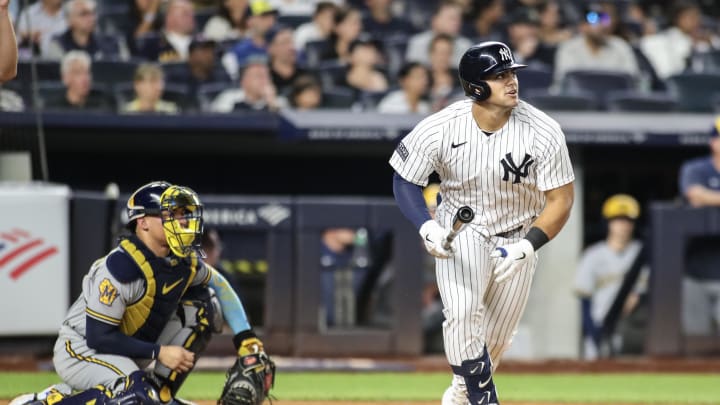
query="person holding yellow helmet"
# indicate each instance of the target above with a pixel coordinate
(603, 268)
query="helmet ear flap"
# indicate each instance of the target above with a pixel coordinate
(480, 90)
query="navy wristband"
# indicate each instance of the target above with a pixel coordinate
(537, 237)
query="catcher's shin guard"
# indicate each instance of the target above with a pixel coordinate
(478, 379)
(198, 313)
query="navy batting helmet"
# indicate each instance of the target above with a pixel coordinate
(479, 62)
(145, 201)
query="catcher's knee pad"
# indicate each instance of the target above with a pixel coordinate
(478, 379)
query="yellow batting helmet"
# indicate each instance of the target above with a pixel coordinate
(621, 205)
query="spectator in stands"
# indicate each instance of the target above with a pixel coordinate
(485, 20)
(149, 84)
(75, 69)
(144, 20)
(413, 78)
(443, 75)
(446, 20)
(262, 19)
(283, 59)
(172, 44)
(363, 73)
(229, 23)
(380, 22)
(594, 48)
(700, 186)
(202, 66)
(319, 28)
(256, 91)
(523, 36)
(346, 29)
(8, 45)
(603, 269)
(212, 245)
(37, 24)
(305, 93)
(345, 260)
(670, 50)
(11, 101)
(80, 35)
(552, 30)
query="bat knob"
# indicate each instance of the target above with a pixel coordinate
(465, 214)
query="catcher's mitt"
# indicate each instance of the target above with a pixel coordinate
(252, 376)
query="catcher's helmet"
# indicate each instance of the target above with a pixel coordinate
(479, 62)
(145, 201)
(182, 219)
(621, 206)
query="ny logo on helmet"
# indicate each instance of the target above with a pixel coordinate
(505, 54)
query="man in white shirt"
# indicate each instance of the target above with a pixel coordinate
(37, 24)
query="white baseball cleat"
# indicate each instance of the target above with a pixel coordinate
(454, 396)
(23, 399)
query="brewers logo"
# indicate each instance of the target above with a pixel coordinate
(108, 292)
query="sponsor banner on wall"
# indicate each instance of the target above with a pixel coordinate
(34, 258)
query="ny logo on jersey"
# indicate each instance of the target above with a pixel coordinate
(509, 166)
(505, 54)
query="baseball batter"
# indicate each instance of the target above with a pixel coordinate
(151, 298)
(508, 161)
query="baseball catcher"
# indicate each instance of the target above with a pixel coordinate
(248, 380)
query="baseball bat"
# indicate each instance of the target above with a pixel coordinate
(463, 216)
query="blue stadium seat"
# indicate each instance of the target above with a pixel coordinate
(535, 77)
(110, 72)
(331, 74)
(313, 53)
(597, 82)
(114, 19)
(206, 93)
(706, 62)
(338, 97)
(46, 70)
(577, 101)
(637, 101)
(694, 91)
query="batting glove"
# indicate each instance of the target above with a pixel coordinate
(434, 235)
(514, 256)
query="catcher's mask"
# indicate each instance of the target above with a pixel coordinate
(181, 213)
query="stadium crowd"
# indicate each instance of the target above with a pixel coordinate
(393, 56)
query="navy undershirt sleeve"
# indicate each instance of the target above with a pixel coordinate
(410, 199)
(105, 338)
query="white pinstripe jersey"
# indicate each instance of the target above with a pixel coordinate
(501, 176)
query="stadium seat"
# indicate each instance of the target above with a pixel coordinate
(111, 72)
(694, 91)
(597, 82)
(114, 19)
(206, 93)
(46, 70)
(338, 97)
(370, 100)
(577, 101)
(640, 102)
(313, 53)
(706, 62)
(331, 74)
(535, 77)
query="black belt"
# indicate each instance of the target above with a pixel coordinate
(508, 233)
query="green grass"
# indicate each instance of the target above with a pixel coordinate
(600, 388)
